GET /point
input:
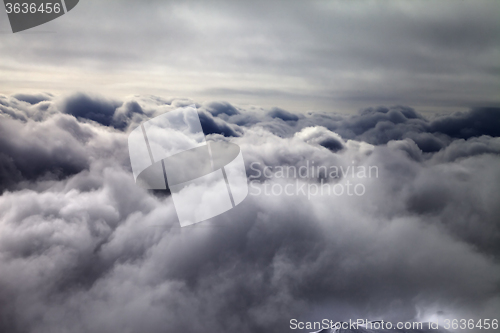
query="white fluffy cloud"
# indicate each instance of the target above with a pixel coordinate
(83, 249)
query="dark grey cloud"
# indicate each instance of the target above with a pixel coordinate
(33, 98)
(283, 115)
(380, 125)
(307, 55)
(123, 115)
(87, 250)
(83, 106)
(480, 121)
(32, 151)
(221, 108)
(323, 137)
(212, 125)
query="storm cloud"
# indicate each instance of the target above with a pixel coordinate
(84, 249)
(334, 55)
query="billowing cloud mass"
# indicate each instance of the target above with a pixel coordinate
(83, 249)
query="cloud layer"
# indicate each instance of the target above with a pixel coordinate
(83, 249)
(299, 55)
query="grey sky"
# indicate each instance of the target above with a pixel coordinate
(329, 56)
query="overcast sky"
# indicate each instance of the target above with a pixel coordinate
(331, 55)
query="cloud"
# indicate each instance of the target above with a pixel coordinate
(283, 115)
(39, 150)
(221, 108)
(382, 125)
(332, 55)
(213, 125)
(123, 115)
(480, 121)
(96, 109)
(83, 249)
(321, 136)
(33, 98)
